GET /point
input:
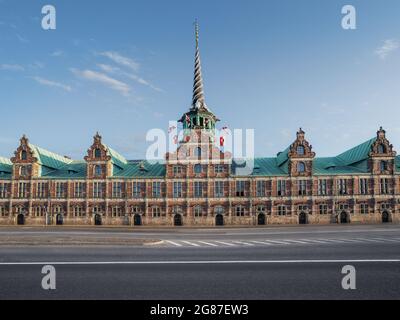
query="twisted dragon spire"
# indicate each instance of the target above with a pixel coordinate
(198, 93)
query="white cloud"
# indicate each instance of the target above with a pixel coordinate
(57, 53)
(142, 81)
(11, 67)
(108, 68)
(112, 83)
(121, 60)
(388, 47)
(22, 39)
(51, 83)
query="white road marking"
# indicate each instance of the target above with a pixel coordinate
(197, 262)
(277, 242)
(389, 240)
(297, 241)
(191, 243)
(243, 243)
(174, 243)
(209, 244)
(226, 243)
(262, 242)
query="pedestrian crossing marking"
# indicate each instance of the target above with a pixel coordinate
(270, 242)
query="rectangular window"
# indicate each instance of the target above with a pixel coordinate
(136, 190)
(177, 189)
(78, 211)
(322, 189)
(22, 190)
(261, 187)
(97, 189)
(240, 186)
(3, 211)
(302, 187)
(117, 190)
(156, 189)
(219, 168)
(363, 186)
(116, 212)
(78, 190)
(198, 189)
(60, 190)
(177, 170)
(41, 190)
(281, 188)
(156, 212)
(384, 184)
(364, 208)
(3, 190)
(240, 211)
(323, 209)
(342, 186)
(281, 210)
(219, 189)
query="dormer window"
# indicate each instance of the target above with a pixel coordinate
(300, 151)
(301, 167)
(97, 153)
(381, 149)
(23, 171)
(24, 155)
(98, 171)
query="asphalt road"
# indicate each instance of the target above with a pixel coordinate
(234, 264)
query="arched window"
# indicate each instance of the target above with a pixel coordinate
(24, 155)
(198, 210)
(301, 167)
(383, 166)
(98, 171)
(197, 152)
(97, 153)
(261, 209)
(381, 149)
(300, 150)
(197, 169)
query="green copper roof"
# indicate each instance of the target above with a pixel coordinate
(73, 170)
(49, 159)
(5, 168)
(116, 158)
(282, 157)
(357, 154)
(141, 169)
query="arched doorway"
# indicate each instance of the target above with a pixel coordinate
(344, 217)
(137, 220)
(385, 217)
(178, 220)
(20, 219)
(219, 220)
(261, 219)
(303, 218)
(97, 219)
(59, 219)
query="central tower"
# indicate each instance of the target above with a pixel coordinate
(199, 116)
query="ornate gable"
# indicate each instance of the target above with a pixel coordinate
(97, 151)
(382, 147)
(24, 153)
(301, 148)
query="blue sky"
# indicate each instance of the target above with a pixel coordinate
(124, 67)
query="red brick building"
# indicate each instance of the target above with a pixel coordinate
(200, 185)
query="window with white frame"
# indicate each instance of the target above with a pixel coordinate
(3, 190)
(198, 211)
(323, 208)
(3, 211)
(240, 188)
(363, 186)
(198, 189)
(384, 186)
(116, 211)
(156, 189)
(219, 168)
(261, 188)
(41, 189)
(117, 189)
(240, 211)
(342, 186)
(281, 187)
(302, 187)
(136, 189)
(78, 211)
(364, 208)
(60, 190)
(177, 170)
(156, 212)
(97, 190)
(219, 210)
(22, 189)
(219, 189)
(177, 189)
(78, 189)
(322, 187)
(282, 210)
